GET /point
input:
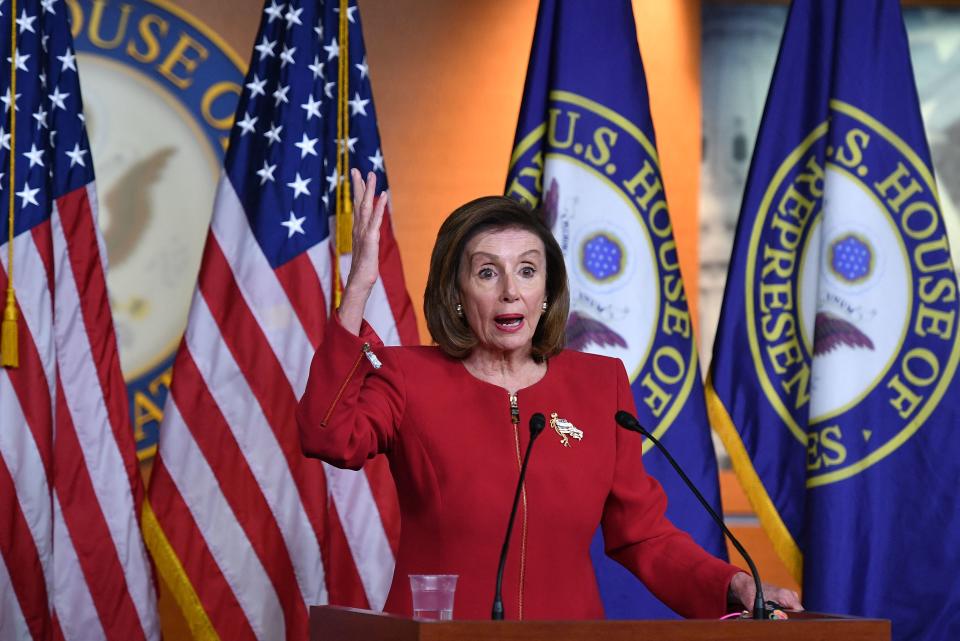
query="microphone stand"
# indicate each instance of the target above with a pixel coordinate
(628, 421)
(537, 422)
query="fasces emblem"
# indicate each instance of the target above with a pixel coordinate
(159, 89)
(851, 295)
(602, 195)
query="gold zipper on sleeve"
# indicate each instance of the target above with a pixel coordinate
(364, 351)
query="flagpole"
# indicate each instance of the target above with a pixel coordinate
(9, 352)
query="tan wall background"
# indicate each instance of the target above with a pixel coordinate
(448, 79)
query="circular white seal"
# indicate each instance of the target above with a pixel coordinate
(855, 293)
(611, 268)
(155, 187)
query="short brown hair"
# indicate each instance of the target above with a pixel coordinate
(442, 294)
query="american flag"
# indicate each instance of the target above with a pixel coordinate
(72, 561)
(246, 531)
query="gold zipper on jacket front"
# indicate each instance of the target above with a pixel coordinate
(515, 419)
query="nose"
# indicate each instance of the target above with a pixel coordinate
(509, 293)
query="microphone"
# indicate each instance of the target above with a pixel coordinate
(537, 422)
(627, 421)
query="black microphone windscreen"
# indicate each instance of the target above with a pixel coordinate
(537, 423)
(626, 419)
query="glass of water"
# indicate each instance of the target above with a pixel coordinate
(433, 595)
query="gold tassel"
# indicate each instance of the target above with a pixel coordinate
(9, 349)
(345, 228)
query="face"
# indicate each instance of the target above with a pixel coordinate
(503, 284)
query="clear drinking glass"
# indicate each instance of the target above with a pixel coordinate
(433, 595)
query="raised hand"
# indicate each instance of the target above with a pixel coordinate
(365, 266)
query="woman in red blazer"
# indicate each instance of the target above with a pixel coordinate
(452, 420)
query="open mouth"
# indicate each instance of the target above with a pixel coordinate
(509, 322)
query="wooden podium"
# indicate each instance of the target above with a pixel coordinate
(330, 623)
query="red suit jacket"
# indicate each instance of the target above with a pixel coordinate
(455, 455)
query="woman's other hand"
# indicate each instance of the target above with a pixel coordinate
(743, 590)
(365, 265)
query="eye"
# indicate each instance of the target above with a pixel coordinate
(486, 273)
(527, 271)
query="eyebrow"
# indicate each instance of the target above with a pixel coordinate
(489, 256)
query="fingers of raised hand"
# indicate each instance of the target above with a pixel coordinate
(378, 211)
(369, 193)
(363, 204)
(367, 216)
(369, 237)
(364, 192)
(359, 188)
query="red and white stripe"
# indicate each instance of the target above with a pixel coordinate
(260, 531)
(72, 560)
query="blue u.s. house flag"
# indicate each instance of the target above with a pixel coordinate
(833, 380)
(585, 150)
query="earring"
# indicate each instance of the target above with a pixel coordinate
(544, 306)
(459, 310)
